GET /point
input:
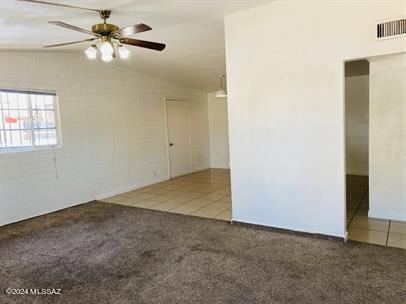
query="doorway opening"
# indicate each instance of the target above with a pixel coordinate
(374, 129)
(179, 137)
(357, 141)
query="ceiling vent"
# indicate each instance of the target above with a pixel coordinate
(391, 28)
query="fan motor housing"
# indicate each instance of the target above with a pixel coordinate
(104, 29)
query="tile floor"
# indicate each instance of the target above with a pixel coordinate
(205, 194)
(362, 228)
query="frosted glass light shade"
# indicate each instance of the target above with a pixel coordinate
(106, 48)
(91, 52)
(107, 58)
(221, 93)
(123, 52)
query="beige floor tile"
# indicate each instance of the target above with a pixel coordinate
(215, 187)
(193, 194)
(363, 222)
(162, 197)
(161, 192)
(147, 189)
(350, 212)
(178, 192)
(146, 204)
(208, 198)
(204, 190)
(179, 200)
(355, 197)
(187, 189)
(200, 203)
(223, 191)
(114, 199)
(186, 194)
(352, 204)
(213, 196)
(226, 198)
(364, 207)
(165, 206)
(220, 206)
(397, 240)
(397, 227)
(225, 215)
(207, 212)
(368, 236)
(129, 202)
(138, 195)
(185, 209)
(363, 212)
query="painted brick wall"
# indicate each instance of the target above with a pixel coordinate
(113, 132)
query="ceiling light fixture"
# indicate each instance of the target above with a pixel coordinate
(106, 48)
(221, 93)
(106, 37)
(91, 52)
(107, 51)
(107, 57)
(123, 52)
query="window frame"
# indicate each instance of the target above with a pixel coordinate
(34, 147)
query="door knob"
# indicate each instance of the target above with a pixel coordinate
(170, 144)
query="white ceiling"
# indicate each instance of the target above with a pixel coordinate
(192, 29)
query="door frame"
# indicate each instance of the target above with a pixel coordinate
(177, 99)
(344, 137)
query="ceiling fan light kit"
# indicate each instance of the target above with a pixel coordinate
(109, 38)
(91, 52)
(123, 52)
(106, 48)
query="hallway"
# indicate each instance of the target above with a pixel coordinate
(364, 229)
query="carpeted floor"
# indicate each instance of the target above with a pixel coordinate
(102, 253)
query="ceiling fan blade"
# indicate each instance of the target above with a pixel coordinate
(74, 28)
(68, 43)
(132, 29)
(58, 4)
(144, 44)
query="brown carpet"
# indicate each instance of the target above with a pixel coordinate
(102, 253)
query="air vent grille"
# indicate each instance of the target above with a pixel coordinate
(391, 28)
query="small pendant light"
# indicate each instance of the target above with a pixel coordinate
(221, 93)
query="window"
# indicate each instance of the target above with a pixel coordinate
(28, 119)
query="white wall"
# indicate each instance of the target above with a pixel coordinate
(285, 76)
(113, 132)
(387, 182)
(218, 126)
(357, 124)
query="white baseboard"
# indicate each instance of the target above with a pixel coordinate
(387, 216)
(35, 213)
(359, 173)
(129, 188)
(220, 167)
(294, 229)
(194, 170)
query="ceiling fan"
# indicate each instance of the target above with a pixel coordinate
(106, 37)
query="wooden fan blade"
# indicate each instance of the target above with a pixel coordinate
(132, 29)
(58, 4)
(74, 28)
(144, 44)
(68, 43)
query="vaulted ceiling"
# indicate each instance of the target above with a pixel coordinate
(192, 29)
